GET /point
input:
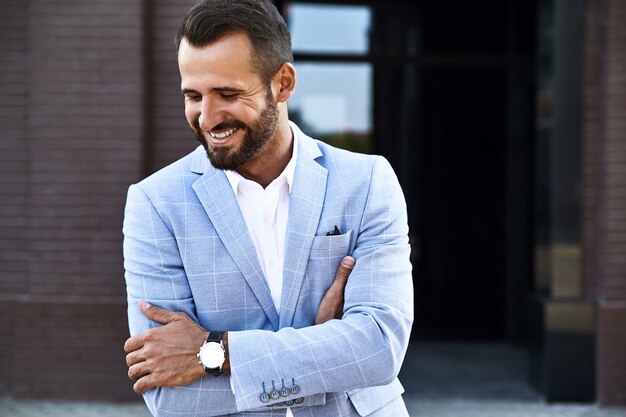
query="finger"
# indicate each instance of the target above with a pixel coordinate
(335, 292)
(345, 268)
(154, 313)
(134, 357)
(138, 371)
(133, 343)
(143, 384)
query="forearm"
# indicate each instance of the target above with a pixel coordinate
(338, 356)
(365, 348)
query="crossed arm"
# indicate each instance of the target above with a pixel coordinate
(360, 354)
(166, 355)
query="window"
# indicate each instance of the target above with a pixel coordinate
(329, 29)
(333, 98)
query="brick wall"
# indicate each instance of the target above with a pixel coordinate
(604, 170)
(90, 103)
(171, 137)
(14, 146)
(71, 143)
(14, 168)
(70, 349)
(84, 121)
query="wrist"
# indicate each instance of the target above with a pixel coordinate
(226, 364)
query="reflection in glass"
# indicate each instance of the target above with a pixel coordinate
(329, 28)
(333, 103)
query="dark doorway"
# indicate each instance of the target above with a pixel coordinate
(453, 110)
(460, 285)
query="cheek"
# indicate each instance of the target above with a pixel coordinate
(191, 114)
(190, 109)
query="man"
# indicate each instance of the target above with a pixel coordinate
(230, 250)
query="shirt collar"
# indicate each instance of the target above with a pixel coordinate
(234, 178)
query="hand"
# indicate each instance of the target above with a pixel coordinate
(166, 355)
(331, 306)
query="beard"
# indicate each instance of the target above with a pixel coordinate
(255, 139)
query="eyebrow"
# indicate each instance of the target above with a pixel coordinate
(216, 89)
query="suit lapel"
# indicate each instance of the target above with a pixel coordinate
(216, 196)
(305, 207)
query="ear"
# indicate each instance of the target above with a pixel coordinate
(284, 82)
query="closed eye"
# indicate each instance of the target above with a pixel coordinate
(229, 97)
(191, 95)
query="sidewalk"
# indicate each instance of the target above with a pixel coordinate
(484, 408)
(36, 408)
(479, 380)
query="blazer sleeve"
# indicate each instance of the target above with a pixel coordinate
(154, 272)
(367, 346)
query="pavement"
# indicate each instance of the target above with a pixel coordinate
(40, 408)
(441, 380)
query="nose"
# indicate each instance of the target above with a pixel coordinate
(210, 114)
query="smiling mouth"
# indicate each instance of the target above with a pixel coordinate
(224, 134)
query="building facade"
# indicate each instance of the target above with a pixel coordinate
(505, 121)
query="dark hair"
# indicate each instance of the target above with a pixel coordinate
(210, 20)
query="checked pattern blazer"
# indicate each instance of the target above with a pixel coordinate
(187, 248)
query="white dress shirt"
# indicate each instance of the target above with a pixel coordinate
(266, 212)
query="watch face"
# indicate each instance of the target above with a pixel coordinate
(212, 355)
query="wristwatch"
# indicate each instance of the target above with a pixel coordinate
(212, 354)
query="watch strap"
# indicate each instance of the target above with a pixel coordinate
(215, 337)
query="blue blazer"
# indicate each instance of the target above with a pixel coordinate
(187, 248)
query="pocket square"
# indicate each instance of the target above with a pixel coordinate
(335, 232)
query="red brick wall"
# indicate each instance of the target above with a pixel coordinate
(604, 170)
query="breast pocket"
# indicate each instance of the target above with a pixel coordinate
(326, 253)
(331, 247)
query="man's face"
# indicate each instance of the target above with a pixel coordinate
(230, 110)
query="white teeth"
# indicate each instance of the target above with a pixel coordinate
(223, 135)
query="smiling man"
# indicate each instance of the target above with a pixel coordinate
(237, 256)
(232, 111)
